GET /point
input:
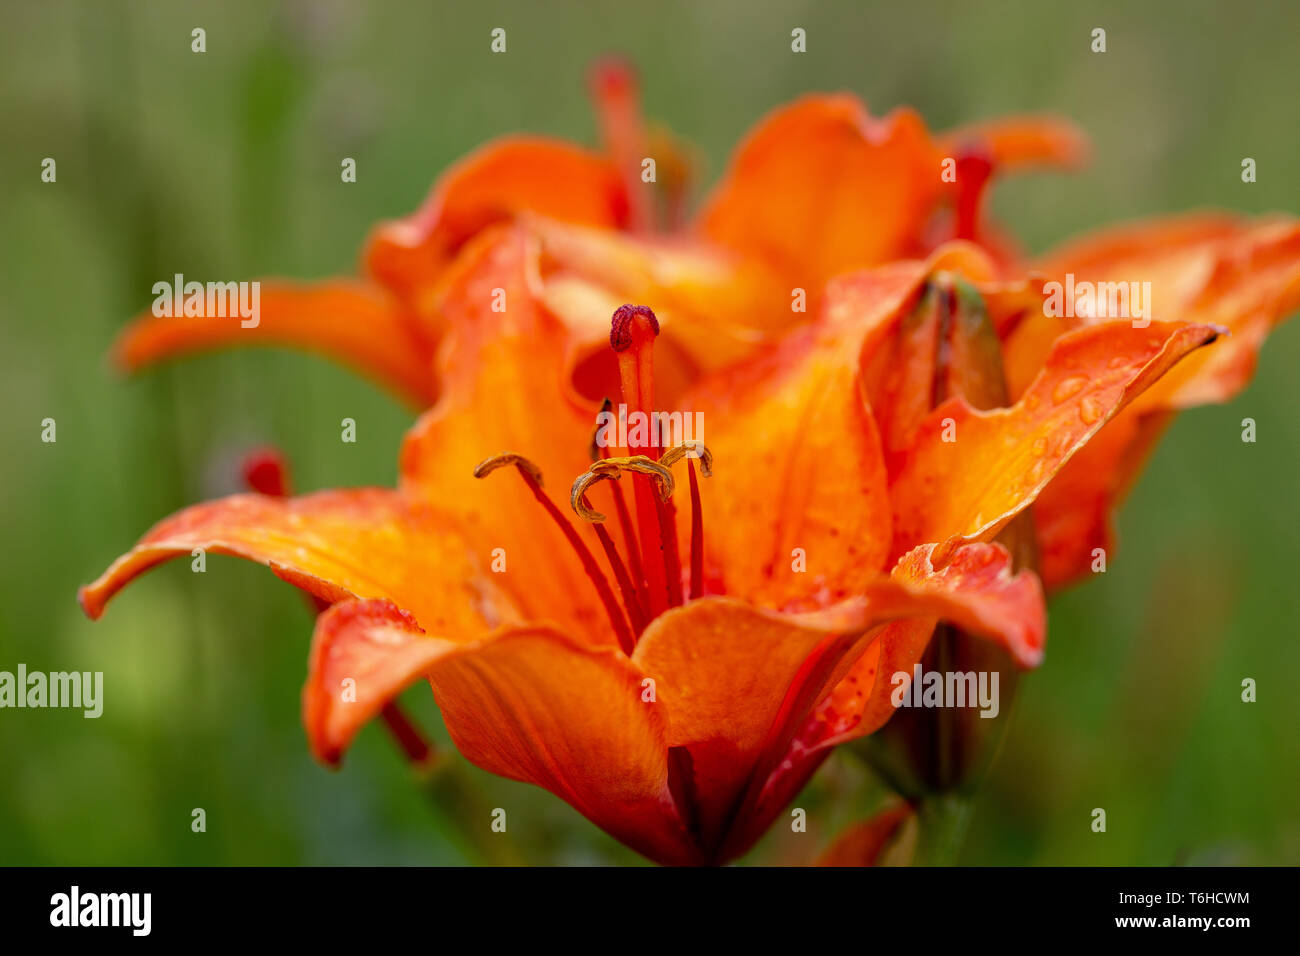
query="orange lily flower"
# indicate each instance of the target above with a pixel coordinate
(818, 188)
(680, 691)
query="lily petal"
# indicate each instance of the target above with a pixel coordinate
(503, 391)
(487, 187)
(367, 542)
(380, 649)
(714, 306)
(820, 187)
(1241, 274)
(531, 704)
(354, 322)
(724, 667)
(970, 472)
(1238, 273)
(790, 430)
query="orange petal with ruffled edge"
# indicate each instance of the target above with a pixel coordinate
(363, 654)
(1231, 271)
(988, 600)
(1238, 273)
(531, 704)
(491, 185)
(975, 590)
(1014, 142)
(366, 542)
(820, 187)
(525, 703)
(503, 391)
(355, 323)
(740, 681)
(970, 472)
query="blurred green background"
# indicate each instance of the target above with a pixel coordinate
(226, 165)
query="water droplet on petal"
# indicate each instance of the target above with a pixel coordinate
(1090, 410)
(1068, 388)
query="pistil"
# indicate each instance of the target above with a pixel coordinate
(632, 333)
(614, 88)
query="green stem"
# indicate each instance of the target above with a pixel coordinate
(943, 819)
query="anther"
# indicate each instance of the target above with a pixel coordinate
(489, 465)
(693, 449)
(611, 468)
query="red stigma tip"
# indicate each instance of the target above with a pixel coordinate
(611, 76)
(623, 327)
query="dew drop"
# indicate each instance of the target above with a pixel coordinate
(1068, 388)
(1090, 410)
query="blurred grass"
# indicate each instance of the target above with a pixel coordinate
(226, 164)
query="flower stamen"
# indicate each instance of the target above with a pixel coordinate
(631, 597)
(532, 476)
(692, 450)
(599, 452)
(697, 534)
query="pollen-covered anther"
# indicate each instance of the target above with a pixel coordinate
(489, 465)
(612, 468)
(631, 324)
(694, 449)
